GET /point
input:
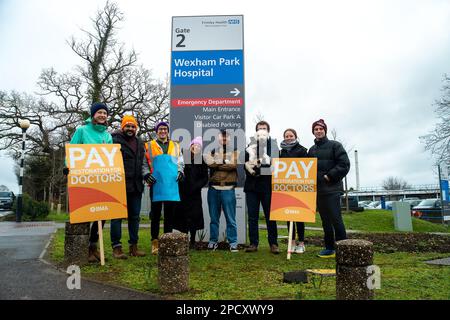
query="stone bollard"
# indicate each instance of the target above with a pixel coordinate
(173, 263)
(353, 257)
(76, 243)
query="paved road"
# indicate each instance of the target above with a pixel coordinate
(24, 276)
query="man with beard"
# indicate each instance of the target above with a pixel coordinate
(136, 170)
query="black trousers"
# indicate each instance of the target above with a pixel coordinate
(93, 237)
(155, 216)
(329, 207)
(300, 230)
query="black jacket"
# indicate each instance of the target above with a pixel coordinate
(332, 160)
(189, 209)
(132, 162)
(261, 183)
(297, 151)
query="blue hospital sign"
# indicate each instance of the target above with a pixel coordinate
(207, 73)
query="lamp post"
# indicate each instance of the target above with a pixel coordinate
(24, 125)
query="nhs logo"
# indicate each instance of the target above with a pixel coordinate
(233, 21)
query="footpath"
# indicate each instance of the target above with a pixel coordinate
(25, 275)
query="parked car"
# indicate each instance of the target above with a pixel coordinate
(352, 204)
(373, 204)
(7, 199)
(364, 203)
(413, 203)
(428, 209)
(388, 205)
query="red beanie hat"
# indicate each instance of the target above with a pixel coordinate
(321, 123)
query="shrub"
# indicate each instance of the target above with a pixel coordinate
(32, 209)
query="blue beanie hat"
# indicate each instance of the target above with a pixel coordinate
(162, 123)
(97, 106)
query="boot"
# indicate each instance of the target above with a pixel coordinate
(134, 252)
(94, 255)
(118, 253)
(155, 245)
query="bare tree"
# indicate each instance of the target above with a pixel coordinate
(438, 141)
(334, 135)
(49, 126)
(395, 183)
(258, 117)
(108, 73)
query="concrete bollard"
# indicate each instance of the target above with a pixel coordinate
(173, 263)
(76, 243)
(58, 208)
(353, 257)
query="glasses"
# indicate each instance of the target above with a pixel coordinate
(162, 129)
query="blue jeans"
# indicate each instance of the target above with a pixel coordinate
(226, 200)
(134, 209)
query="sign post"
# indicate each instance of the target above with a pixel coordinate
(96, 185)
(207, 73)
(207, 89)
(445, 195)
(294, 189)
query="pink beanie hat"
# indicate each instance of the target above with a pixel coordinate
(197, 140)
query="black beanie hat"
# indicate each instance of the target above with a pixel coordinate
(321, 123)
(97, 106)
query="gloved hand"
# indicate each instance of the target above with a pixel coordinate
(66, 171)
(149, 179)
(180, 176)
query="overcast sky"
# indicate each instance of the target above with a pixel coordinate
(371, 69)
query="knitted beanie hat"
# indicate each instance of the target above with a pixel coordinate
(128, 119)
(321, 123)
(97, 106)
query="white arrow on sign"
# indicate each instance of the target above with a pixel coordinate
(235, 91)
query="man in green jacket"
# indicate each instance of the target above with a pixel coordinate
(93, 132)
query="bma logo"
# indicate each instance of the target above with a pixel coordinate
(233, 21)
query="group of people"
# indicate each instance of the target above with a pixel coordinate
(176, 178)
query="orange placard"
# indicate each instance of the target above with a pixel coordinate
(96, 182)
(294, 188)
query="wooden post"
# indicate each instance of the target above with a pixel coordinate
(100, 239)
(291, 224)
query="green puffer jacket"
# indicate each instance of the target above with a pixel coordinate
(91, 134)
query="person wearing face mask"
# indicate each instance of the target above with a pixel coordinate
(291, 148)
(136, 171)
(93, 132)
(189, 217)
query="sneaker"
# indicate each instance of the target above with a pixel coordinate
(293, 247)
(274, 249)
(234, 248)
(326, 254)
(251, 248)
(300, 248)
(212, 246)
